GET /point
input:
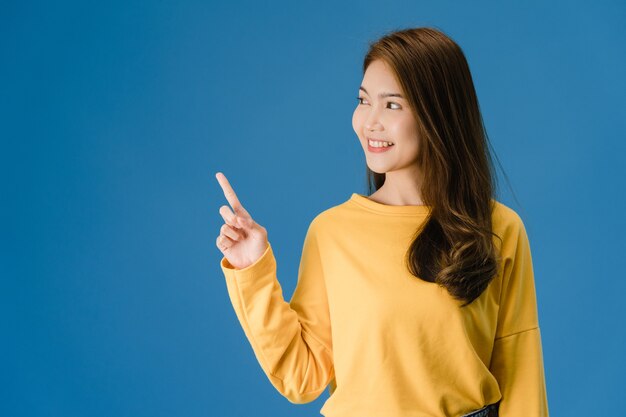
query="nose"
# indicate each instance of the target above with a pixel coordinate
(372, 121)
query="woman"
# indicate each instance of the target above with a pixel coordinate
(419, 299)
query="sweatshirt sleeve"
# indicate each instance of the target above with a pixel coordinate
(517, 358)
(291, 341)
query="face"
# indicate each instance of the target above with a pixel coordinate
(385, 118)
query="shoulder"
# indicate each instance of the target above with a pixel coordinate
(509, 227)
(332, 217)
(505, 219)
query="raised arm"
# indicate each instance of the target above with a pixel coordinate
(291, 341)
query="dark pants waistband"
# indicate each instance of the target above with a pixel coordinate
(490, 410)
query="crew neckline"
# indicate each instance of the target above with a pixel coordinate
(377, 207)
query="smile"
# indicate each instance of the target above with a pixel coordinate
(379, 146)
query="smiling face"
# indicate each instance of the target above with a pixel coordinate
(383, 113)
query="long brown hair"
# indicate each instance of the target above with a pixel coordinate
(454, 246)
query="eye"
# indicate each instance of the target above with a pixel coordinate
(390, 102)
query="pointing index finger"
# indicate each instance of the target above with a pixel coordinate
(229, 193)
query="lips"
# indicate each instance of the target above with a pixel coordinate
(378, 140)
(379, 149)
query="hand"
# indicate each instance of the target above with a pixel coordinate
(241, 239)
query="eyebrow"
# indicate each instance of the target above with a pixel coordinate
(383, 95)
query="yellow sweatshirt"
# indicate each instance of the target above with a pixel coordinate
(385, 342)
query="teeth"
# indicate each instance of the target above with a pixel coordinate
(379, 144)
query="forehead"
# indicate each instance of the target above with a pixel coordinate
(379, 76)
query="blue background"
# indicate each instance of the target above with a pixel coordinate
(116, 117)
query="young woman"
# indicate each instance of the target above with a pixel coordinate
(416, 300)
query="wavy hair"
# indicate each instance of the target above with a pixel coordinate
(454, 247)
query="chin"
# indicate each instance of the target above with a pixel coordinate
(378, 170)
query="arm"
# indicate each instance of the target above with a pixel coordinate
(291, 341)
(517, 358)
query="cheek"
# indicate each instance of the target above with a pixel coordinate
(406, 136)
(408, 131)
(356, 125)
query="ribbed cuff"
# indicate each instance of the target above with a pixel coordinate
(263, 266)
